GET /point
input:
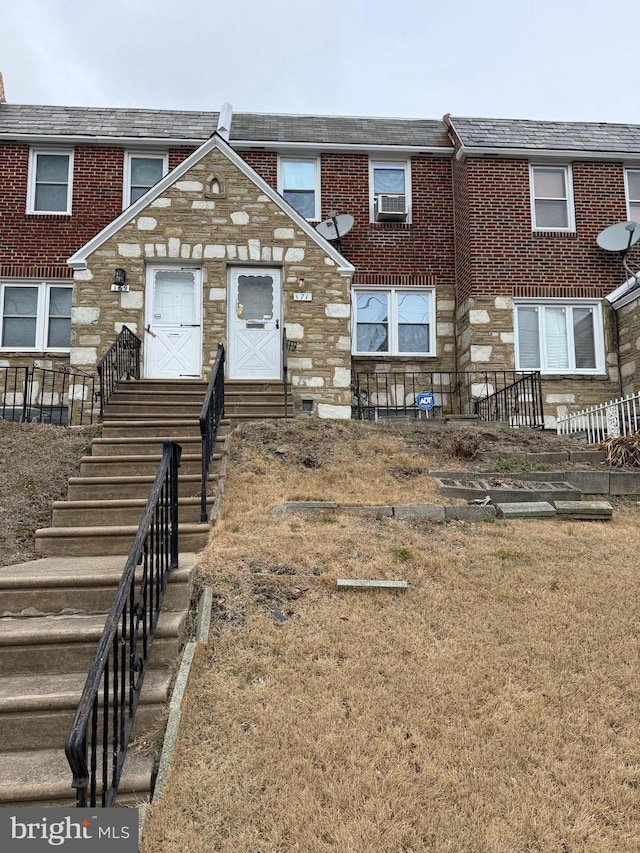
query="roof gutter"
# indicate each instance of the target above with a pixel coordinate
(546, 154)
(238, 144)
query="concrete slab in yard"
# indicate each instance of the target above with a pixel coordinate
(428, 512)
(469, 513)
(376, 511)
(347, 583)
(585, 510)
(547, 456)
(526, 510)
(507, 489)
(589, 482)
(592, 457)
(624, 483)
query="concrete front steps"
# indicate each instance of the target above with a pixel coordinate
(106, 500)
(250, 400)
(53, 615)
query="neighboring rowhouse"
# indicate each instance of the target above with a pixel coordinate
(472, 246)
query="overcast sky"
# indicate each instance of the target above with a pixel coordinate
(539, 59)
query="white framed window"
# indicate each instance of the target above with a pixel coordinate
(552, 198)
(395, 321)
(632, 182)
(141, 172)
(299, 183)
(390, 191)
(50, 181)
(559, 336)
(35, 316)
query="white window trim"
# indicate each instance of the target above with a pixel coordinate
(126, 184)
(284, 158)
(42, 313)
(571, 216)
(403, 164)
(31, 185)
(563, 303)
(393, 321)
(627, 193)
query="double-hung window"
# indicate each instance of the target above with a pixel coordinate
(559, 337)
(395, 321)
(141, 172)
(50, 182)
(389, 196)
(552, 198)
(299, 183)
(633, 194)
(35, 316)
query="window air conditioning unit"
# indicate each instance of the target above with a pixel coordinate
(391, 207)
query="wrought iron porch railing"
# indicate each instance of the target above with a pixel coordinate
(608, 420)
(96, 746)
(122, 359)
(210, 417)
(393, 394)
(44, 395)
(518, 403)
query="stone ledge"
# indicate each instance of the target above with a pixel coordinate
(526, 510)
(584, 510)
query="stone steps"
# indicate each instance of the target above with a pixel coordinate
(131, 487)
(63, 585)
(117, 512)
(131, 465)
(37, 711)
(113, 539)
(61, 644)
(41, 777)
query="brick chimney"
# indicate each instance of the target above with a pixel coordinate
(3, 99)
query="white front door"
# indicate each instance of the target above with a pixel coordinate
(255, 337)
(173, 329)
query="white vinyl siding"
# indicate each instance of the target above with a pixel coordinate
(50, 182)
(552, 198)
(395, 321)
(35, 316)
(559, 337)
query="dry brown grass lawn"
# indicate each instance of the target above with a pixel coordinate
(36, 460)
(492, 707)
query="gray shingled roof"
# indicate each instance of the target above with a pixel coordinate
(550, 135)
(174, 124)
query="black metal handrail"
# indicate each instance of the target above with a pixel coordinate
(518, 403)
(122, 359)
(210, 417)
(96, 746)
(393, 394)
(45, 395)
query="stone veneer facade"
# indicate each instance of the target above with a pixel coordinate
(629, 345)
(214, 216)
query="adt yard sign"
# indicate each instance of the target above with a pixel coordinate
(425, 401)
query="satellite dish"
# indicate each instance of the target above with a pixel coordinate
(338, 226)
(619, 237)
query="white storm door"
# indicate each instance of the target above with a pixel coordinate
(173, 333)
(255, 342)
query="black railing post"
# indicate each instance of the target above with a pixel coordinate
(121, 360)
(210, 417)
